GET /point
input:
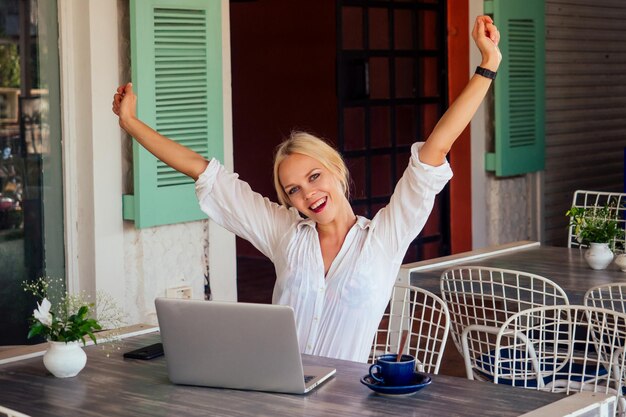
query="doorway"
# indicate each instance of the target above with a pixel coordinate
(392, 90)
(368, 76)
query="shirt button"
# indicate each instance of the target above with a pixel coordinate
(309, 347)
(315, 318)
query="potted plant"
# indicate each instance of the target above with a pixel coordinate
(66, 320)
(595, 227)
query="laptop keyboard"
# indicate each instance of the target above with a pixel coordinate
(307, 378)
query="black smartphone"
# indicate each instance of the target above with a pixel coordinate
(147, 352)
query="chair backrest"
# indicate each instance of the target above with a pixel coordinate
(426, 319)
(480, 299)
(597, 199)
(485, 296)
(610, 296)
(563, 349)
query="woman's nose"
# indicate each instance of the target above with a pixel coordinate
(309, 192)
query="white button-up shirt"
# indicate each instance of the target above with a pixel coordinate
(337, 315)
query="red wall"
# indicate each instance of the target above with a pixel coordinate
(283, 78)
(460, 155)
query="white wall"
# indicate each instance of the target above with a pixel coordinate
(104, 252)
(91, 159)
(503, 209)
(478, 128)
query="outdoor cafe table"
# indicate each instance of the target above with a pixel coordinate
(567, 267)
(114, 386)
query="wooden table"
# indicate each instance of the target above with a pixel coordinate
(114, 386)
(566, 267)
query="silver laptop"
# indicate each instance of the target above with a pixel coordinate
(234, 345)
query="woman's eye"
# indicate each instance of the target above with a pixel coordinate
(293, 190)
(314, 176)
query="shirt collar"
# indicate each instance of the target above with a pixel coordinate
(361, 221)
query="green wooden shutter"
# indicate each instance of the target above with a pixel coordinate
(519, 103)
(176, 59)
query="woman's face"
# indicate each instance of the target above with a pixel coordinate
(312, 189)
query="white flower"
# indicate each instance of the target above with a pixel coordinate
(43, 312)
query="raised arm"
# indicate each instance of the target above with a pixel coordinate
(459, 114)
(172, 153)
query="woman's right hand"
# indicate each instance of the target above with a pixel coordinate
(486, 36)
(125, 104)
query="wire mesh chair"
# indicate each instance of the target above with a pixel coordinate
(481, 300)
(610, 296)
(597, 199)
(563, 349)
(425, 316)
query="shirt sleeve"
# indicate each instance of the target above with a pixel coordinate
(397, 224)
(231, 203)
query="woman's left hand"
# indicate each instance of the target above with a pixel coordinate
(486, 36)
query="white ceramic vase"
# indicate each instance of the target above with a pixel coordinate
(598, 256)
(64, 360)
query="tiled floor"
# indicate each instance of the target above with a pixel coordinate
(255, 283)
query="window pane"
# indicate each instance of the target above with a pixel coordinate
(379, 127)
(356, 166)
(402, 161)
(352, 27)
(354, 128)
(404, 37)
(427, 27)
(378, 28)
(405, 78)
(379, 78)
(406, 125)
(381, 176)
(429, 69)
(430, 117)
(31, 205)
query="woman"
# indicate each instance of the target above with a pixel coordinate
(335, 269)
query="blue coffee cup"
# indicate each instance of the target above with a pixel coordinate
(390, 372)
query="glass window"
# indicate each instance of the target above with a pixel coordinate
(31, 203)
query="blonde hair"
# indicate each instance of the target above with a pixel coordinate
(316, 148)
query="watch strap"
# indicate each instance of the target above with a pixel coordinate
(486, 73)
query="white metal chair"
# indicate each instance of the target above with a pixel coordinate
(610, 296)
(426, 319)
(482, 299)
(562, 348)
(597, 199)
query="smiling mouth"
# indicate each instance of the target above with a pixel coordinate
(318, 205)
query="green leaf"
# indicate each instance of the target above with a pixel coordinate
(35, 330)
(93, 337)
(82, 312)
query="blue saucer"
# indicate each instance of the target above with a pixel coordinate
(419, 381)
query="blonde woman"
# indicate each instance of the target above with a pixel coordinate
(335, 269)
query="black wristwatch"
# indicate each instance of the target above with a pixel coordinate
(486, 73)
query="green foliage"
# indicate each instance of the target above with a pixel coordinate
(61, 317)
(9, 66)
(594, 224)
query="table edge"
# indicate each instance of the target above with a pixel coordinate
(32, 351)
(438, 263)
